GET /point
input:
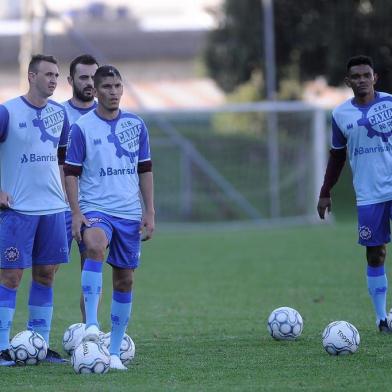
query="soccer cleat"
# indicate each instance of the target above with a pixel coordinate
(54, 357)
(5, 358)
(91, 334)
(115, 363)
(383, 327)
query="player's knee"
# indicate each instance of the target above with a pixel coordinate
(11, 278)
(95, 251)
(376, 255)
(10, 281)
(44, 275)
(123, 283)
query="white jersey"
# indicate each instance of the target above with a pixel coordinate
(108, 151)
(367, 133)
(29, 138)
(74, 112)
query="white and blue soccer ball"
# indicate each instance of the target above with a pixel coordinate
(285, 323)
(90, 357)
(28, 348)
(340, 338)
(72, 337)
(127, 348)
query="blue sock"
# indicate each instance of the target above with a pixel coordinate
(120, 314)
(378, 286)
(40, 309)
(91, 287)
(7, 309)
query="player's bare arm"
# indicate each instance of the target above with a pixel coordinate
(78, 219)
(62, 177)
(148, 218)
(337, 159)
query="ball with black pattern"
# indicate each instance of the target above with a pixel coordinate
(28, 348)
(72, 337)
(285, 323)
(127, 348)
(90, 357)
(340, 338)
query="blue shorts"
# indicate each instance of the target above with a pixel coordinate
(123, 236)
(68, 223)
(373, 223)
(27, 240)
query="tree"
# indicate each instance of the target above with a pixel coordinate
(312, 38)
(233, 50)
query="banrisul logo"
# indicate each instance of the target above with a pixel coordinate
(377, 119)
(50, 121)
(125, 136)
(38, 158)
(110, 171)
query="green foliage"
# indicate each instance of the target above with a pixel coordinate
(241, 123)
(290, 90)
(233, 51)
(252, 90)
(201, 303)
(317, 37)
(238, 123)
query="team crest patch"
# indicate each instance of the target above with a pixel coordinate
(50, 122)
(11, 254)
(125, 136)
(377, 119)
(365, 233)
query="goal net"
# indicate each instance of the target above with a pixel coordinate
(262, 162)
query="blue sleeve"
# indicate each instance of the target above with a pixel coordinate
(144, 145)
(4, 119)
(65, 131)
(338, 139)
(76, 148)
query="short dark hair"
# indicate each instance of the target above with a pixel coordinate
(85, 59)
(359, 60)
(38, 58)
(104, 71)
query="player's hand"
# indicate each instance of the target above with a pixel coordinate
(147, 225)
(78, 220)
(5, 200)
(324, 203)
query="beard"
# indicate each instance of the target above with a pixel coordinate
(82, 95)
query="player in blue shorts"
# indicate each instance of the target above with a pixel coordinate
(362, 127)
(81, 73)
(109, 152)
(33, 137)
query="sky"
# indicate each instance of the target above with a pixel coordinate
(155, 14)
(152, 14)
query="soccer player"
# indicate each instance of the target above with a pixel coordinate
(33, 134)
(81, 73)
(109, 151)
(362, 127)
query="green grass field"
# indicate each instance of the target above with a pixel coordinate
(201, 303)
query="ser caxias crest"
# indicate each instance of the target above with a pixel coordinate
(377, 119)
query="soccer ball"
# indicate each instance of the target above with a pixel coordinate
(90, 357)
(389, 318)
(127, 348)
(340, 338)
(28, 348)
(285, 324)
(73, 336)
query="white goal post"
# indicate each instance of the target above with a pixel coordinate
(262, 162)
